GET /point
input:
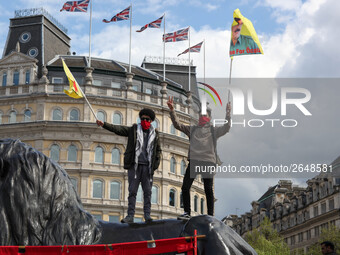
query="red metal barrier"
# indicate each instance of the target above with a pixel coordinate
(186, 245)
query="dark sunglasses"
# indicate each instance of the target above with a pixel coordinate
(147, 119)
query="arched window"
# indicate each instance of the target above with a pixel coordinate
(155, 123)
(172, 197)
(139, 197)
(74, 115)
(115, 190)
(154, 195)
(27, 115)
(72, 153)
(74, 183)
(101, 116)
(172, 129)
(97, 189)
(116, 156)
(173, 165)
(183, 166)
(55, 151)
(202, 205)
(117, 118)
(16, 75)
(57, 114)
(196, 203)
(181, 201)
(27, 77)
(4, 79)
(99, 155)
(12, 117)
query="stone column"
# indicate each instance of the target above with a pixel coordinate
(43, 82)
(88, 80)
(189, 103)
(164, 92)
(128, 83)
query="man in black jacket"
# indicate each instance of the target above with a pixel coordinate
(141, 158)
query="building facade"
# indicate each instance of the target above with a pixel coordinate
(297, 213)
(34, 109)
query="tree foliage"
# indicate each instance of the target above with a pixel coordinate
(266, 240)
(331, 234)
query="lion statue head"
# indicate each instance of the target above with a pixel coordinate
(38, 204)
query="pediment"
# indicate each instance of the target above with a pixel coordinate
(17, 58)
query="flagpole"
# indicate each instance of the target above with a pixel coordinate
(89, 63)
(164, 48)
(130, 39)
(204, 62)
(231, 65)
(189, 62)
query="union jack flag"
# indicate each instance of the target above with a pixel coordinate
(196, 48)
(180, 35)
(123, 15)
(76, 6)
(154, 24)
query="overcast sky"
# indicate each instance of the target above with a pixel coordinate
(299, 39)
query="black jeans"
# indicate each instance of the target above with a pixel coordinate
(143, 177)
(208, 188)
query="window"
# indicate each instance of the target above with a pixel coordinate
(139, 197)
(300, 237)
(12, 117)
(172, 196)
(16, 75)
(148, 91)
(97, 216)
(57, 114)
(99, 155)
(138, 219)
(135, 88)
(154, 195)
(155, 123)
(323, 208)
(57, 80)
(97, 82)
(27, 77)
(330, 205)
(114, 218)
(55, 151)
(316, 231)
(97, 189)
(101, 116)
(316, 213)
(0, 117)
(116, 156)
(27, 115)
(172, 129)
(4, 79)
(25, 37)
(183, 166)
(309, 235)
(72, 153)
(181, 201)
(115, 85)
(292, 240)
(33, 52)
(74, 183)
(74, 115)
(196, 203)
(173, 165)
(117, 119)
(202, 205)
(115, 190)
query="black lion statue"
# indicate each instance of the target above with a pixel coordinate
(39, 206)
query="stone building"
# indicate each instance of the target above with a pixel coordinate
(298, 213)
(34, 108)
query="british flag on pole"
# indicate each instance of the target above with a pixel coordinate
(195, 48)
(76, 6)
(154, 24)
(177, 36)
(123, 15)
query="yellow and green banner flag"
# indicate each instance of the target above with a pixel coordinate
(244, 40)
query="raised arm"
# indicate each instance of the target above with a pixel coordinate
(117, 129)
(222, 130)
(184, 128)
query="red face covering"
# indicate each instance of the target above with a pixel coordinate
(145, 124)
(203, 120)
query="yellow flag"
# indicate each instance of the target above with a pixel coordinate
(74, 90)
(244, 40)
